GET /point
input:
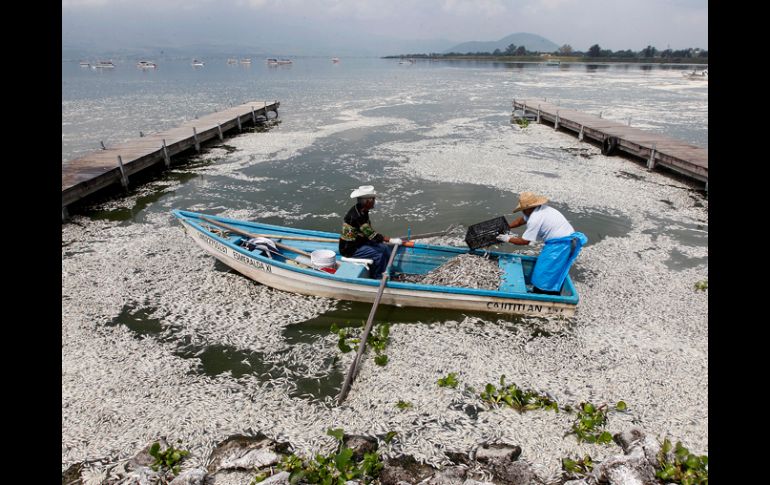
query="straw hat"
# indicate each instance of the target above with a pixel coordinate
(363, 191)
(528, 200)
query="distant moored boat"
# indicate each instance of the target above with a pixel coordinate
(197, 63)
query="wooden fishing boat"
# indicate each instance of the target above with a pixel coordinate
(288, 269)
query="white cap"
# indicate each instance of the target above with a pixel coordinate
(363, 191)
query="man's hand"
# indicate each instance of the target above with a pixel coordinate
(395, 240)
(504, 237)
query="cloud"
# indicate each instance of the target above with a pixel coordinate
(487, 8)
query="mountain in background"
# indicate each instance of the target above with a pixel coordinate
(531, 42)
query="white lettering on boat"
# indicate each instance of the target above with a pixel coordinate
(214, 244)
(522, 307)
(251, 262)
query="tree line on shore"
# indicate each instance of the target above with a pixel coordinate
(594, 52)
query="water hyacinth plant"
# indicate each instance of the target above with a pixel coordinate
(167, 459)
(590, 423)
(681, 466)
(577, 469)
(449, 381)
(519, 399)
(377, 339)
(334, 469)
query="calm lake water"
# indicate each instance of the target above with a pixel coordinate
(303, 173)
(394, 104)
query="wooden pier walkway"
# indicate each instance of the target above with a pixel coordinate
(689, 160)
(115, 164)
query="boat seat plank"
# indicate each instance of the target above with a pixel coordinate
(512, 279)
(350, 270)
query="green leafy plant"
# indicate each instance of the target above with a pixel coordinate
(519, 399)
(522, 122)
(167, 459)
(702, 285)
(377, 339)
(681, 466)
(590, 423)
(577, 469)
(334, 469)
(403, 405)
(449, 381)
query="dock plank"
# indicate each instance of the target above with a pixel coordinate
(89, 173)
(690, 160)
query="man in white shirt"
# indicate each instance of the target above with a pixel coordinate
(562, 243)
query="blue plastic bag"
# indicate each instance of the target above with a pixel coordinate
(555, 260)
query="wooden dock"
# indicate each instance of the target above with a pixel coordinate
(689, 160)
(115, 164)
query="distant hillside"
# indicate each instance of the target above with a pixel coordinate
(531, 42)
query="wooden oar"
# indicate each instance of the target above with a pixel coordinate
(362, 342)
(235, 230)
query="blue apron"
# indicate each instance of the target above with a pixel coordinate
(555, 259)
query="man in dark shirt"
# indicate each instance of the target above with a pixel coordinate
(359, 239)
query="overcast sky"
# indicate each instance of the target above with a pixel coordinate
(383, 24)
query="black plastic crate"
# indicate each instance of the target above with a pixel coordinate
(485, 233)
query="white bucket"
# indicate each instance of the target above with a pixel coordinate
(323, 258)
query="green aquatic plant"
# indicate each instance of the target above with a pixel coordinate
(403, 405)
(519, 399)
(335, 468)
(681, 466)
(702, 285)
(577, 469)
(168, 459)
(591, 422)
(378, 339)
(449, 381)
(522, 122)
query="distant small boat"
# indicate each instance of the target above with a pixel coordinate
(406, 61)
(146, 65)
(245, 61)
(699, 76)
(197, 63)
(104, 65)
(230, 60)
(84, 64)
(274, 61)
(335, 60)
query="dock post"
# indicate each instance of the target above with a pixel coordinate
(524, 109)
(166, 158)
(556, 123)
(64, 213)
(629, 121)
(580, 135)
(123, 178)
(651, 161)
(141, 135)
(239, 123)
(538, 113)
(266, 115)
(197, 144)
(102, 143)
(275, 107)
(253, 116)
(219, 127)
(600, 114)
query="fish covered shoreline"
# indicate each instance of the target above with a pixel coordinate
(640, 334)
